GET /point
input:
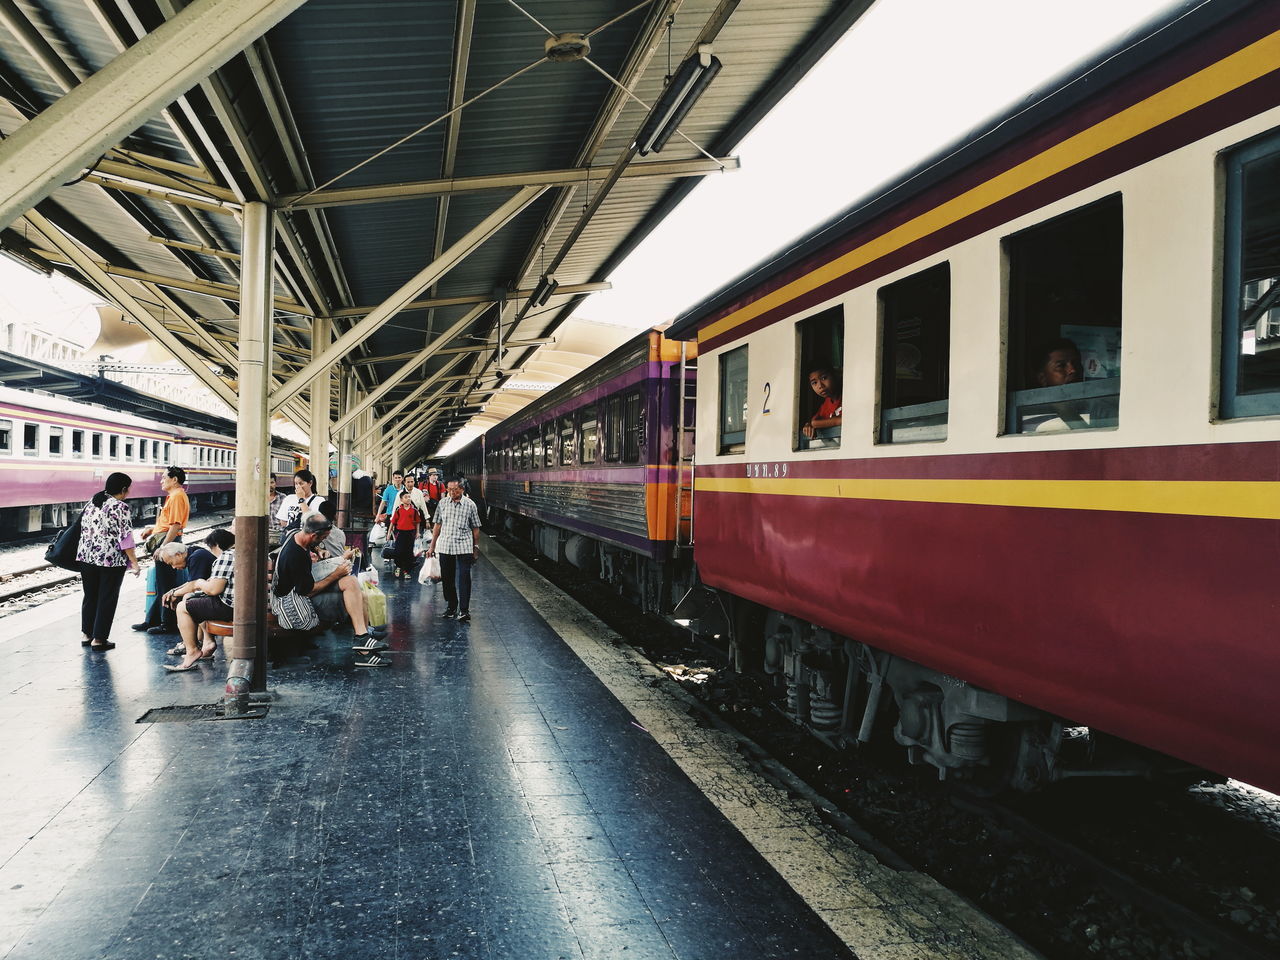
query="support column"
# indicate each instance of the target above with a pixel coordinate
(321, 337)
(348, 395)
(247, 652)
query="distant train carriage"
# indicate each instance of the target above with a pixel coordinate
(590, 472)
(56, 454)
(1052, 499)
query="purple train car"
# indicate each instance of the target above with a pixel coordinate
(591, 473)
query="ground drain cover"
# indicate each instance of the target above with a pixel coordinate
(200, 711)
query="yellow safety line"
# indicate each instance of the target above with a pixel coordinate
(1244, 66)
(1209, 498)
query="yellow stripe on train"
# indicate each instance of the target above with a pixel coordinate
(1258, 500)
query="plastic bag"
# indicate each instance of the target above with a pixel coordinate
(368, 576)
(375, 604)
(431, 569)
(377, 535)
(420, 546)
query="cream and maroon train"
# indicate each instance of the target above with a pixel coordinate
(992, 562)
(56, 453)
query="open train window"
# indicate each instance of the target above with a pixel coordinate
(95, 446)
(733, 401)
(143, 449)
(613, 429)
(1251, 281)
(549, 444)
(1064, 322)
(31, 439)
(915, 316)
(590, 434)
(77, 443)
(128, 448)
(166, 453)
(55, 441)
(113, 447)
(566, 440)
(632, 427)
(6, 436)
(819, 380)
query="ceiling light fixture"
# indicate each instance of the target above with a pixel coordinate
(691, 78)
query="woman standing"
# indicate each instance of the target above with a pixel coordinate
(105, 525)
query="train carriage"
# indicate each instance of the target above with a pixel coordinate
(590, 472)
(1001, 557)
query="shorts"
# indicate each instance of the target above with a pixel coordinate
(202, 608)
(329, 606)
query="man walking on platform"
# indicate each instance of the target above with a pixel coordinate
(455, 539)
(168, 527)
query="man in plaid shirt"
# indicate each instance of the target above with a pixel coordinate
(212, 599)
(455, 538)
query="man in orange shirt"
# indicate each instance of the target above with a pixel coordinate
(172, 520)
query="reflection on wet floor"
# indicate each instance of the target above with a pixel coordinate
(484, 797)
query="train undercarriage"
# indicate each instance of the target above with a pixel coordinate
(28, 520)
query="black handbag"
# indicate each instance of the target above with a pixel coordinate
(62, 552)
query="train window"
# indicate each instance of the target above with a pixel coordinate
(31, 439)
(733, 401)
(613, 429)
(143, 449)
(590, 434)
(166, 454)
(128, 448)
(77, 443)
(549, 443)
(1064, 322)
(632, 427)
(113, 447)
(6, 436)
(526, 451)
(55, 441)
(95, 446)
(819, 354)
(566, 439)
(915, 356)
(1251, 281)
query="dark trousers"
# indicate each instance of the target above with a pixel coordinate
(101, 594)
(455, 577)
(159, 615)
(404, 549)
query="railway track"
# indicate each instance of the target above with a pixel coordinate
(44, 576)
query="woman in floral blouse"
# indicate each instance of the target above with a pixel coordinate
(105, 552)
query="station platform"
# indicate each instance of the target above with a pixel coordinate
(518, 787)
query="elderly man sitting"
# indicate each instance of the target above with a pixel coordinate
(211, 598)
(196, 560)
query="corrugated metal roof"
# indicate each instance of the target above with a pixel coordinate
(339, 81)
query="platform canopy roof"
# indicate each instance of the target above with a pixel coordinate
(429, 162)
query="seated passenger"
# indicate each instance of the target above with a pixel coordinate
(1059, 363)
(825, 383)
(205, 599)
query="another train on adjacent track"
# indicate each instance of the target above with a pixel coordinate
(1017, 576)
(56, 453)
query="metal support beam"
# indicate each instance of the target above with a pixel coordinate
(451, 186)
(321, 337)
(398, 300)
(116, 292)
(568, 289)
(248, 646)
(98, 114)
(417, 392)
(418, 359)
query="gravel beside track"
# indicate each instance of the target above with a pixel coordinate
(1091, 868)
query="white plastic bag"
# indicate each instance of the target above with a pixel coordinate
(431, 569)
(420, 546)
(369, 576)
(377, 535)
(424, 572)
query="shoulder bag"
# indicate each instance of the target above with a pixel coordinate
(62, 552)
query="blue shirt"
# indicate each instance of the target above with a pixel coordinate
(389, 499)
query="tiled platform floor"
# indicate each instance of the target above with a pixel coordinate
(484, 797)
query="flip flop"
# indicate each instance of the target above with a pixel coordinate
(209, 654)
(181, 668)
(177, 650)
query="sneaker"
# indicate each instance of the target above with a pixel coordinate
(450, 614)
(367, 644)
(373, 661)
(464, 617)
